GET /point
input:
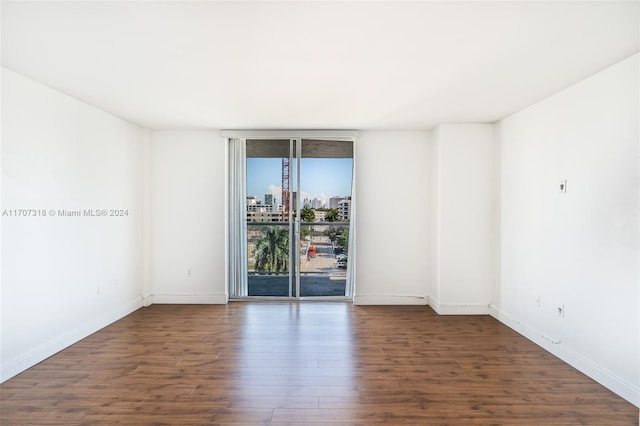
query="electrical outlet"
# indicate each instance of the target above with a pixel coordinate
(189, 272)
(560, 311)
(539, 301)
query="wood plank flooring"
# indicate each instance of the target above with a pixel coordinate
(306, 363)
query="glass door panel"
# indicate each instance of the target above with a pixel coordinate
(326, 170)
(268, 219)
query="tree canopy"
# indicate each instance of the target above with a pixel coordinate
(342, 240)
(307, 215)
(332, 215)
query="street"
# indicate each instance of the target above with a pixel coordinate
(324, 261)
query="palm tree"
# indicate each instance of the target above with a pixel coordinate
(332, 215)
(272, 250)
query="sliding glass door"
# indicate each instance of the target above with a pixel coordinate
(291, 205)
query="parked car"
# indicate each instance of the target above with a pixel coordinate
(311, 252)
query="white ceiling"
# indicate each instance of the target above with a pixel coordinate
(361, 65)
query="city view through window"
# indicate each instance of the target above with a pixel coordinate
(321, 252)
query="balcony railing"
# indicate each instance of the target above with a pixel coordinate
(321, 259)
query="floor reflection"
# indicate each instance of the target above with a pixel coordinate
(291, 354)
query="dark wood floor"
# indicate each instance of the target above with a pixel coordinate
(306, 363)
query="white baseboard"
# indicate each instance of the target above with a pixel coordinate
(458, 309)
(553, 345)
(177, 298)
(59, 343)
(389, 299)
(147, 300)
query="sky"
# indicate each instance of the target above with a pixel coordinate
(321, 178)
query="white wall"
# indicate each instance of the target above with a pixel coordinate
(392, 178)
(64, 277)
(463, 206)
(187, 221)
(433, 287)
(577, 249)
(187, 229)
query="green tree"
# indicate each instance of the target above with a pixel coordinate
(342, 240)
(305, 231)
(272, 250)
(330, 232)
(307, 215)
(332, 215)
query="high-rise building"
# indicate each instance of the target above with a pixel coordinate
(344, 209)
(334, 202)
(271, 203)
(316, 203)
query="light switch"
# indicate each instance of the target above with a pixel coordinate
(563, 185)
